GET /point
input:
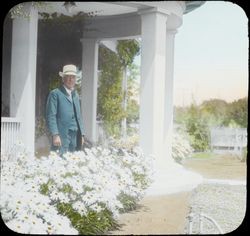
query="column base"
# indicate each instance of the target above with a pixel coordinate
(171, 177)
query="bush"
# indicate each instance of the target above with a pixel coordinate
(129, 143)
(181, 147)
(90, 224)
(79, 193)
(196, 125)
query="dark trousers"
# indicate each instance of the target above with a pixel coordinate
(69, 143)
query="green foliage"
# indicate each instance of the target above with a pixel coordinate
(44, 189)
(110, 95)
(55, 18)
(132, 111)
(127, 50)
(140, 178)
(91, 224)
(129, 203)
(109, 92)
(196, 127)
(67, 24)
(197, 120)
(217, 107)
(181, 148)
(215, 111)
(69, 174)
(220, 113)
(66, 188)
(180, 114)
(127, 144)
(41, 128)
(238, 112)
(18, 11)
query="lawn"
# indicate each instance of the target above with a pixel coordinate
(221, 166)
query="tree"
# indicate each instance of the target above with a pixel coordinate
(215, 111)
(197, 128)
(238, 112)
(109, 91)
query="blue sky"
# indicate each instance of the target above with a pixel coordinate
(211, 54)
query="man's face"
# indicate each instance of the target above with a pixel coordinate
(69, 81)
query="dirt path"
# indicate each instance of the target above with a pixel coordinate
(157, 215)
(167, 214)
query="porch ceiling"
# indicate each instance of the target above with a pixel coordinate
(101, 8)
(116, 8)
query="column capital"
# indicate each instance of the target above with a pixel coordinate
(172, 31)
(96, 40)
(154, 10)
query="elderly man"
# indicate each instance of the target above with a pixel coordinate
(63, 115)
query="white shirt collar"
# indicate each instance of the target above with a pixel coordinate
(68, 90)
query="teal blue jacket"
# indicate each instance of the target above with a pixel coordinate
(59, 110)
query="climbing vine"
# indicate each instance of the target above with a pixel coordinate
(110, 94)
(127, 50)
(53, 18)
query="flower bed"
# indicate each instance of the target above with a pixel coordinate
(81, 193)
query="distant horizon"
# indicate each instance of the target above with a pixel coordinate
(209, 99)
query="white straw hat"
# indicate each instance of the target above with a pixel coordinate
(68, 70)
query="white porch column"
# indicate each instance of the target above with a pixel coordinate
(156, 104)
(23, 74)
(89, 86)
(169, 88)
(153, 61)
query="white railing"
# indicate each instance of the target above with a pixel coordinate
(228, 139)
(10, 133)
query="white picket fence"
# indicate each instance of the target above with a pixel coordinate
(10, 133)
(224, 139)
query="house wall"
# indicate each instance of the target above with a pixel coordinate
(57, 46)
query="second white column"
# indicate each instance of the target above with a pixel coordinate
(89, 86)
(152, 88)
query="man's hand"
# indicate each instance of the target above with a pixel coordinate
(83, 140)
(57, 140)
